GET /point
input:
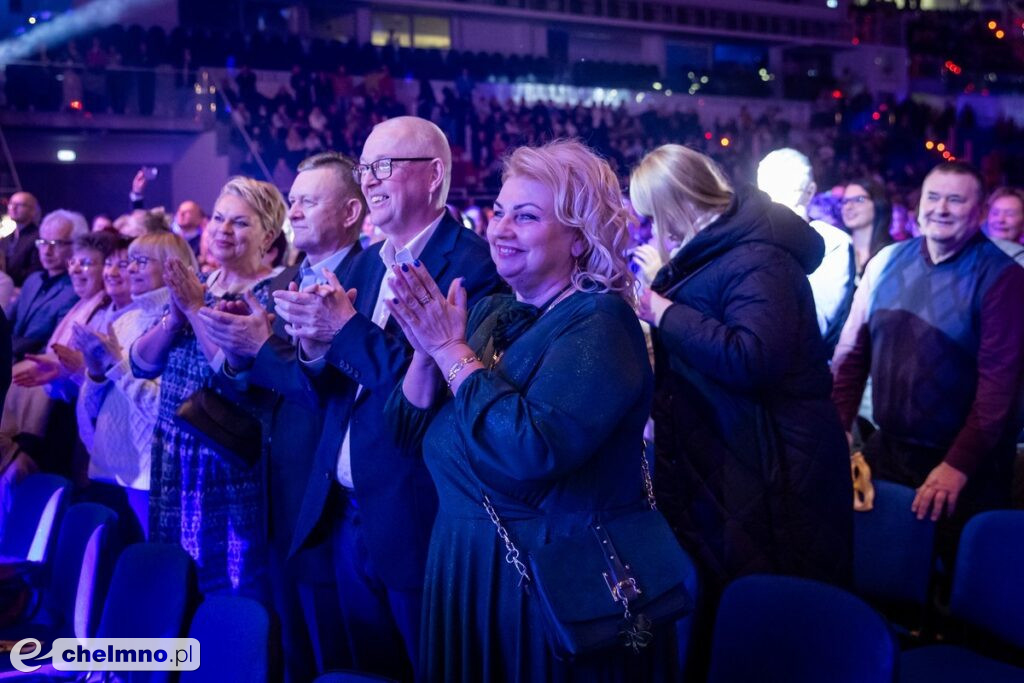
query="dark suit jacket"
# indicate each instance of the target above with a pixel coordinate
(295, 423)
(397, 499)
(39, 310)
(21, 258)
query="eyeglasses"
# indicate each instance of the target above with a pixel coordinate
(42, 244)
(381, 169)
(846, 201)
(141, 261)
(83, 263)
(122, 264)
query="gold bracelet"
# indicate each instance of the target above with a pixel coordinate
(457, 367)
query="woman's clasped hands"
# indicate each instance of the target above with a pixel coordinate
(431, 321)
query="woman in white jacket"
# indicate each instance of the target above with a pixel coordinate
(116, 410)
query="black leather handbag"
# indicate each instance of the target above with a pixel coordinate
(612, 583)
(221, 425)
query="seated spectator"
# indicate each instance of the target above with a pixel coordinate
(117, 410)
(26, 443)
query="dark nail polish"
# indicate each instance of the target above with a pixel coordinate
(405, 268)
(395, 300)
(416, 263)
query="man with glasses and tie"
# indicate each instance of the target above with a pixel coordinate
(369, 496)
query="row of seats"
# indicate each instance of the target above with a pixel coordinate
(777, 629)
(768, 628)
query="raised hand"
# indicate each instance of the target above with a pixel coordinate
(71, 360)
(431, 320)
(187, 292)
(35, 370)
(239, 328)
(100, 351)
(316, 314)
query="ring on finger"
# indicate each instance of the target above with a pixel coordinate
(423, 301)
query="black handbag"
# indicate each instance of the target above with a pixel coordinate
(612, 583)
(221, 425)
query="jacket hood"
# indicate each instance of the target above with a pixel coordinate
(752, 217)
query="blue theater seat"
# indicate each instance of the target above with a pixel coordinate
(234, 639)
(780, 629)
(988, 596)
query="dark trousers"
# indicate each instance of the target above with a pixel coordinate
(382, 625)
(312, 639)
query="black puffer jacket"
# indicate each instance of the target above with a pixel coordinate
(753, 469)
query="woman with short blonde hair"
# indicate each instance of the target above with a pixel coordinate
(201, 497)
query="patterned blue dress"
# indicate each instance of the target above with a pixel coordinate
(214, 510)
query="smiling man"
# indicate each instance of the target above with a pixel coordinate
(47, 295)
(326, 210)
(936, 322)
(371, 494)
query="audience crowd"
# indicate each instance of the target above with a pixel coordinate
(361, 420)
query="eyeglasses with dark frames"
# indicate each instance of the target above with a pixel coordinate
(382, 168)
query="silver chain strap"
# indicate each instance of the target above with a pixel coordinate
(648, 482)
(511, 551)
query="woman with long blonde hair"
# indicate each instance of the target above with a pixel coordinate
(752, 464)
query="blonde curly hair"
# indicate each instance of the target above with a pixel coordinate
(588, 200)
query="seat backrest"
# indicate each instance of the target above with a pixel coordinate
(893, 551)
(234, 636)
(780, 629)
(83, 562)
(988, 582)
(37, 506)
(149, 593)
(351, 677)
